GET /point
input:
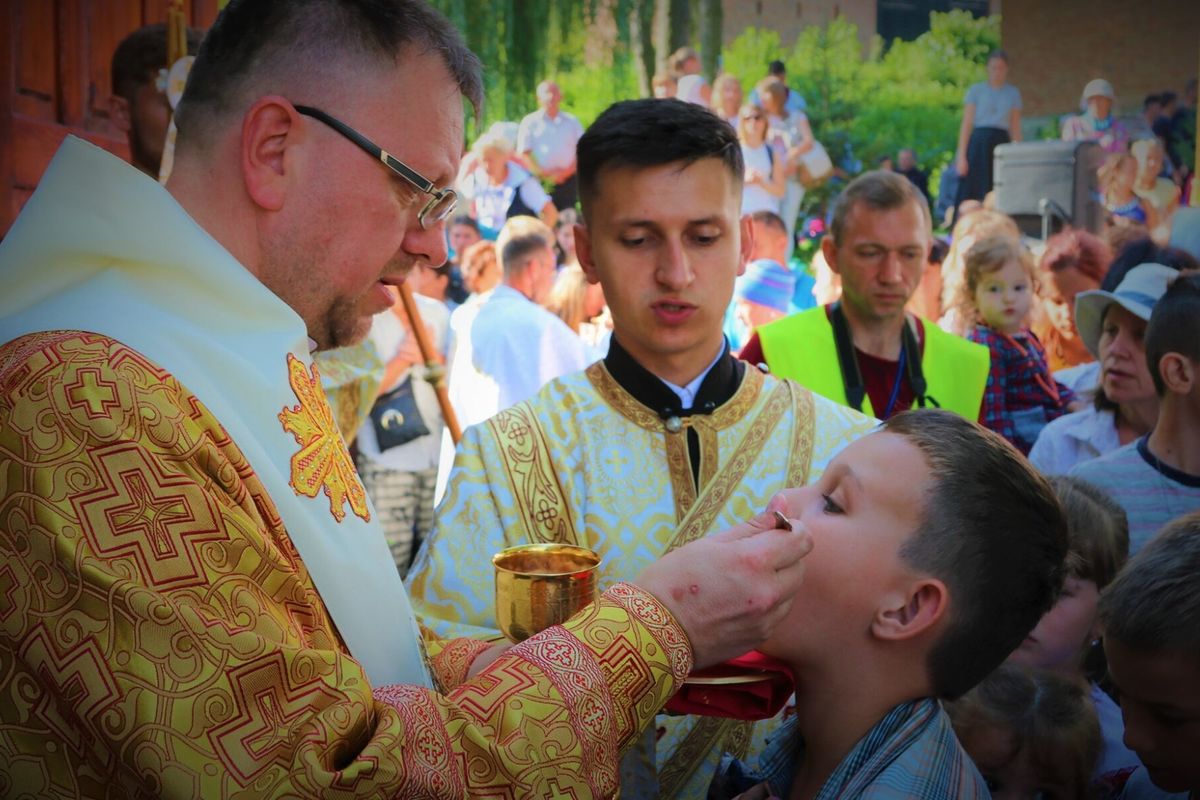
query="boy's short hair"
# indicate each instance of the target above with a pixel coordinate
(1154, 604)
(1174, 327)
(992, 530)
(463, 219)
(1097, 530)
(519, 239)
(651, 133)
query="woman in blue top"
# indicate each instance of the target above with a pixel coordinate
(991, 116)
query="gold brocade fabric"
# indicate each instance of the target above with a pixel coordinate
(160, 636)
(351, 377)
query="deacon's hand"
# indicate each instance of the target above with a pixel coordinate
(731, 589)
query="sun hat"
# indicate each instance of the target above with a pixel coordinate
(1137, 293)
(768, 283)
(1098, 87)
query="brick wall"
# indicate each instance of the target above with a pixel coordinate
(1057, 46)
(789, 17)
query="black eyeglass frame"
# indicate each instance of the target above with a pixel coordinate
(416, 179)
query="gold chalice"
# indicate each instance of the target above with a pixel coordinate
(539, 585)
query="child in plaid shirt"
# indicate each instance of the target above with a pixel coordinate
(1021, 395)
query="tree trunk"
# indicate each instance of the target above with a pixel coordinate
(642, 34)
(672, 28)
(711, 21)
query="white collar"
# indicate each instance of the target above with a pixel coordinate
(687, 393)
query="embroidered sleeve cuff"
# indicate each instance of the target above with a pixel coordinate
(451, 659)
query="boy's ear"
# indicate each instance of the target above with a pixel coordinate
(1178, 373)
(905, 615)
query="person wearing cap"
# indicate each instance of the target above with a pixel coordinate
(761, 295)
(866, 351)
(1112, 326)
(1157, 477)
(1097, 123)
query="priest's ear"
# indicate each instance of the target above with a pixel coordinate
(269, 127)
(904, 615)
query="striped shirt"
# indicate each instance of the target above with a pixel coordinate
(1151, 492)
(911, 752)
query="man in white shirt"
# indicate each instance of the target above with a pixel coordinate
(516, 346)
(548, 137)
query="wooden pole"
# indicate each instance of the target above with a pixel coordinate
(436, 374)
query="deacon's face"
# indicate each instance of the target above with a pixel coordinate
(1160, 703)
(352, 232)
(666, 243)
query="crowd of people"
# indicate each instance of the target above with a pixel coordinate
(945, 491)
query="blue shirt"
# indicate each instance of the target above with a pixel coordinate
(911, 752)
(1151, 492)
(993, 107)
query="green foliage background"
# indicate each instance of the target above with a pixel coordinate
(908, 94)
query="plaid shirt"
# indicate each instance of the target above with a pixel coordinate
(911, 752)
(1021, 395)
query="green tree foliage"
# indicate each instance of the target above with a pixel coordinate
(881, 100)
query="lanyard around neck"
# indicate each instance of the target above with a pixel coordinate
(852, 379)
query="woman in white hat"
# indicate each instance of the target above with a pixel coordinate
(1097, 123)
(1111, 324)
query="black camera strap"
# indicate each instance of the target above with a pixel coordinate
(852, 379)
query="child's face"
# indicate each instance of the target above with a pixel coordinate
(860, 513)
(1013, 775)
(1058, 640)
(1160, 703)
(1003, 297)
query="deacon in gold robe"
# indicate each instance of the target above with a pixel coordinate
(667, 440)
(195, 599)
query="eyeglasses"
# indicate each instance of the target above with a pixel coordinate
(441, 201)
(748, 117)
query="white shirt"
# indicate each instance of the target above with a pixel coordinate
(516, 348)
(756, 198)
(688, 89)
(388, 336)
(1074, 438)
(687, 394)
(551, 140)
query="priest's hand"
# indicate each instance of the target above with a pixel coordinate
(731, 589)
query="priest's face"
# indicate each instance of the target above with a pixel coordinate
(666, 243)
(349, 232)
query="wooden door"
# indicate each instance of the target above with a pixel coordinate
(55, 58)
